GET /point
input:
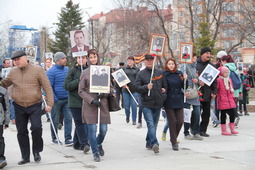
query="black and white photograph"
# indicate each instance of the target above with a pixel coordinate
(79, 42)
(240, 66)
(157, 44)
(31, 53)
(186, 52)
(120, 77)
(209, 74)
(100, 79)
(5, 72)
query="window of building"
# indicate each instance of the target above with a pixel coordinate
(228, 6)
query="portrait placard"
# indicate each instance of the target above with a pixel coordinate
(240, 66)
(5, 72)
(157, 44)
(79, 42)
(120, 77)
(31, 53)
(209, 74)
(186, 52)
(99, 79)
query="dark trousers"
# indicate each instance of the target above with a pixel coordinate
(175, 122)
(224, 113)
(80, 137)
(23, 114)
(2, 144)
(118, 93)
(205, 116)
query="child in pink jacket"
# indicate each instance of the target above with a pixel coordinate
(225, 100)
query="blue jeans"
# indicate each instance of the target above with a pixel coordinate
(151, 117)
(94, 141)
(129, 102)
(61, 107)
(12, 116)
(80, 137)
(195, 120)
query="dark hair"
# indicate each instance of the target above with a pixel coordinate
(194, 54)
(165, 65)
(92, 51)
(79, 31)
(228, 59)
(121, 63)
(5, 60)
(131, 58)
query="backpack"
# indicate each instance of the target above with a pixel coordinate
(235, 79)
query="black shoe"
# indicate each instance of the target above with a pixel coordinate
(23, 161)
(204, 134)
(100, 150)
(86, 148)
(148, 146)
(3, 163)
(37, 157)
(127, 119)
(96, 157)
(175, 147)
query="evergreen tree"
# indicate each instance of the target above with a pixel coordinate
(204, 40)
(70, 19)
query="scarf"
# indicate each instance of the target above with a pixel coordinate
(227, 83)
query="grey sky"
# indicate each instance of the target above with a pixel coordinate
(37, 13)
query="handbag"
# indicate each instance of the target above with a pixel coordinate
(192, 92)
(113, 104)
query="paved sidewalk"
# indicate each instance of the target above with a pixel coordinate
(125, 150)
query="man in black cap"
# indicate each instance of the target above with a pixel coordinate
(151, 104)
(27, 80)
(209, 92)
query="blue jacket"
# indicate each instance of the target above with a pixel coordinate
(175, 96)
(56, 75)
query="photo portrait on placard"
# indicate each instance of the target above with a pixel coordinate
(31, 53)
(157, 44)
(186, 52)
(99, 79)
(5, 72)
(240, 66)
(120, 77)
(209, 74)
(79, 42)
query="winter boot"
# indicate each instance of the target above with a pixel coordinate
(232, 128)
(224, 130)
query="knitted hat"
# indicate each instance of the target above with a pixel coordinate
(18, 54)
(221, 53)
(204, 50)
(223, 70)
(58, 56)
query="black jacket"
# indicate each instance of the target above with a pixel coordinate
(131, 74)
(206, 90)
(156, 98)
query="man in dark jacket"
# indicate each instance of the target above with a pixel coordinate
(209, 92)
(151, 103)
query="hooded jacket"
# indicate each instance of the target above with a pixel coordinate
(232, 67)
(206, 90)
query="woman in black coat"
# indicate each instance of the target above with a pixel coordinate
(174, 103)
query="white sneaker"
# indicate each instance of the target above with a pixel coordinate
(197, 137)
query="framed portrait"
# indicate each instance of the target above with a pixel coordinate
(31, 53)
(79, 42)
(208, 75)
(5, 72)
(99, 79)
(121, 77)
(157, 44)
(240, 66)
(186, 52)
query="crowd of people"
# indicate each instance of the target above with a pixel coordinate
(150, 91)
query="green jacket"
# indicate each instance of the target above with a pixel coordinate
(71, 84)
(232, 67)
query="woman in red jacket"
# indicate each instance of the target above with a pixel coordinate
(225, 100)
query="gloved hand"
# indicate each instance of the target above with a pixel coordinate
(100, 95)
(96, 102)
